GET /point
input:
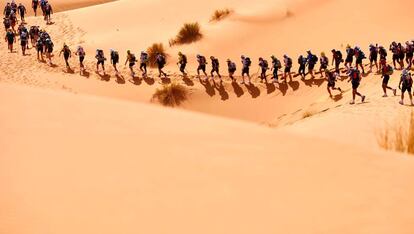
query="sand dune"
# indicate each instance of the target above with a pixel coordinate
(63, 5)
(137, 171)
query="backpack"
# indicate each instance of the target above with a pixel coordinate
(265, 64)
(350, 52)
(390, 70)
(203, 60)
(23, 36)
(278, 64)
(215, 62)
(248, 62)
(338, 55)
(232, 66)
(289, 62)
(132, 58)
(161, 59)
(115, 56)
(355, 75)
(407, 80)
(315, 59)
(184, 59)
(144, 57)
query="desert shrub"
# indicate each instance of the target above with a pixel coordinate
(219, 15)
(398, 136)
(152, 53)
(171, 94)
(189, 33)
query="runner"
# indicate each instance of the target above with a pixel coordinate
(144, 61)
(80, 52)
(24, 39)
(302, 61)
(131, 59)
(355, 77)
(35, 4)
(337, 59)
(246, 62)
(67, 53)
(324, 64)
(100, 60)
(387, 71)
(276, 65)
(331, 78)
(182, 62)
(288, 68)
(264, 66)
(22, 11)
(161, 61)
(373, 57)
(215, 64)
(10, 39)
(312, 60)
(49, 48)
(360, 56)
(231, 69)
(202, 61)
(40, 49)
(406, 83)
(114, 59)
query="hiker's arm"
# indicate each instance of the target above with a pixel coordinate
(126, 61)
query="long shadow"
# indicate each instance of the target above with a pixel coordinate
(208, 87)
(337, 97)
(270, 87)
(69, 71)
(187, 81)
(135, 80)
(85, 74)
(166, 81)
(253, 90)
(294, 85)
(120, 79)
(283, 87)
(222, 91)
(104, 77)
(53, 65)
(311, 82)
(237, 89)
(149, 80)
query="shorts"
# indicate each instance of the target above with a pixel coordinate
(373, 58)
(115, 61)
(287, 69)
(324, 66)
(232, 71)
(49, 50)
(386, 79)
(10, 42)
(245, 70)
(349, 60)
(131, 64)
(355, 84)
(40, 49)
(81, 58)
(401, 56)
(23, 43)
(202, 68)
(406, 88)
(409, 55)
(395, 57)
(215, 69)
(359, 61)
(101, 62)
(331, 84)
(160, 66)
(311, 66)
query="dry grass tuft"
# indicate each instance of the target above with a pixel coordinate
(399, 136)
(219, 15)
(189, 33)
(152, 53)
(171, 94)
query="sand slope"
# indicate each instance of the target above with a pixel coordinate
(68, 166)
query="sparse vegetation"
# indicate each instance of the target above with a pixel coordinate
(152, 53)
(219, 15)
(307, 114)
(189, 33)
(399, 136)
(171, 94)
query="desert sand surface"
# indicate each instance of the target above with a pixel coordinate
(70, 165)
(94, 154)
(63, 5)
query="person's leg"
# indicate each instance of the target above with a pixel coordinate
(329, 91)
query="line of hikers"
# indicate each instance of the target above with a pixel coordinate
(44, 45)
(12, 9)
